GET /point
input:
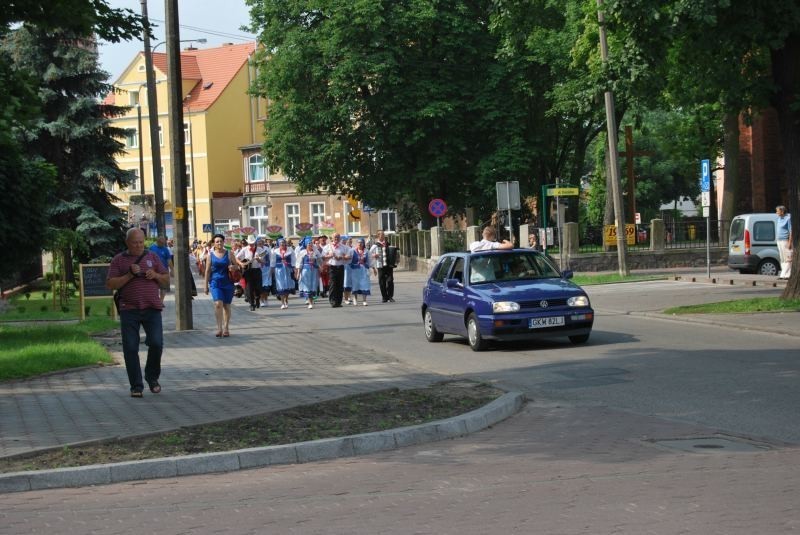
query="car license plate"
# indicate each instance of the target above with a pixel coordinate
(538, 323)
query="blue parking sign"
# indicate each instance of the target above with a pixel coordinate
(705, 175)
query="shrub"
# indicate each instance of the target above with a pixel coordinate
(43, 308)
(21, 310)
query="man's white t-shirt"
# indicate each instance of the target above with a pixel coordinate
(483, 245)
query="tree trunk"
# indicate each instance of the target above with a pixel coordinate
(786, 75)
(731, 147)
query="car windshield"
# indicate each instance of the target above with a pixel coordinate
(509, 267)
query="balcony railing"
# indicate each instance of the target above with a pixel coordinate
(256, 187)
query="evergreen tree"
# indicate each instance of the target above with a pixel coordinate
(73, 134)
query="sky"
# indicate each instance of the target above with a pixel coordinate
(216, 20)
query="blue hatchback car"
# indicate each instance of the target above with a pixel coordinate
(513, 294)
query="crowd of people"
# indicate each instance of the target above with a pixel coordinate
(337, 269)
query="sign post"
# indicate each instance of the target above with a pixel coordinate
(705, 194)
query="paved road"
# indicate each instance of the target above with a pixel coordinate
(580, 458)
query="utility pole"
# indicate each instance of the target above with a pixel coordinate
(152, 109)
(183, 294)
(611, 123)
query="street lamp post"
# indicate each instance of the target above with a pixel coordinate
(152, 104)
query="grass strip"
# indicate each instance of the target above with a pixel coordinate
(33, 350)
(360, 413)
(611, 278)
(740, 306)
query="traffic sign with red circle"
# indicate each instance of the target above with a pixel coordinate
(437, 207)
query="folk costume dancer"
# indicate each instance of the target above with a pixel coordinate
(282, 271)
(336, 255)
(248, 258)
(324, 271)
(383, 267)
(266, 272)
(357, 277)
(308, 264)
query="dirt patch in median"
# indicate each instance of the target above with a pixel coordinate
(362, 413)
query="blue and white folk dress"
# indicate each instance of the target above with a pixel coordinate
(357, 277)
(283, 267)
(308, 264)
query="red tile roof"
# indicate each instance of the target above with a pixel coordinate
(213, 68)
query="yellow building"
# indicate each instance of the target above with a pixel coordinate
(229, 182)
(219, 117)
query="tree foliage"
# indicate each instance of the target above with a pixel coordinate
(742, 54)
(72, 134)
(27, 180)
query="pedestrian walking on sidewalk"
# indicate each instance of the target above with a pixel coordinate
(219, 263)
(784, 241)
(137, 275)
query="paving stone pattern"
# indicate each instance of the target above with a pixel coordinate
(266, 365)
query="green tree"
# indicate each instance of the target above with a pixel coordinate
(742, 54)
(389, 100)
(26, 182)
(73, 134)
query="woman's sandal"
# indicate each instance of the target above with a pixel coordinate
(218, 334)
(225, 334)
(155, 388)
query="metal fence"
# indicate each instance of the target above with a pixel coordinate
(684, 234)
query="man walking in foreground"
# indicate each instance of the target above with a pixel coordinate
(137, 275)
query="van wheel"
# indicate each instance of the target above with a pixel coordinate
(768, 267)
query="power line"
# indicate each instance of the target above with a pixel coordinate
(240, 37)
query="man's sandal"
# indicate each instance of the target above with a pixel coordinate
(155, 388)
(136, 394)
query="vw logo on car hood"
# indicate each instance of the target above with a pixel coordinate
(543, 303)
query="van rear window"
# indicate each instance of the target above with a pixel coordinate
(764, 231)
(737, 230)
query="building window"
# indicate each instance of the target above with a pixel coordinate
(187, 134)
(160, 136)
(133, 97)
(192, 231)
(255, 168)
(134, 175)
(257, 216)
(292, 219)
(108, 184)
(189, 175)
(131, 139)
(317, 210)
(221, 225)
(352, 226)
(389, 221)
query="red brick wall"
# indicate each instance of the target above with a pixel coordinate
(762, 179)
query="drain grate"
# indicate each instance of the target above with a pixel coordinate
(710, 445)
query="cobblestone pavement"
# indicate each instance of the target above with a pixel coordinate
(267, 364)
(550, 470)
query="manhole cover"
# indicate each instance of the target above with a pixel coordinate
(223, 388)
(710, 444)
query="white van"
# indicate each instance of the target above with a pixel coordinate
(753, 246)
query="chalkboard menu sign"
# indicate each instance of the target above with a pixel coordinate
(93, 280)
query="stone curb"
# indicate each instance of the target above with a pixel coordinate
(301, 452)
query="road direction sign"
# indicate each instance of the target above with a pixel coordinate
(563, 192)
(437, 207)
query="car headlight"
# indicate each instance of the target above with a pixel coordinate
(578, 301)
(505, 306)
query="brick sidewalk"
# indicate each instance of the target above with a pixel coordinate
(266, 365)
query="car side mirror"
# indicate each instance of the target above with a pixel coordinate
(567, 274)
(453, 283)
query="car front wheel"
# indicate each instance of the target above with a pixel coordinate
(476, 341)
(431, 333)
